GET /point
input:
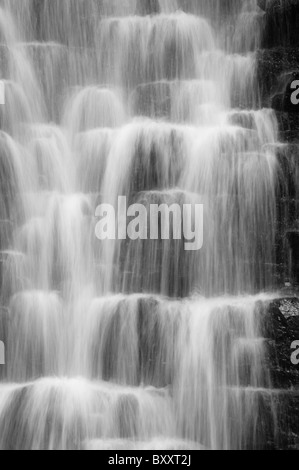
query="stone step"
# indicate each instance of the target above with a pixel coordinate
(136, 339)
(55, 413)
(276, 70)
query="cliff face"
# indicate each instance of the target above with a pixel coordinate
(278, 67)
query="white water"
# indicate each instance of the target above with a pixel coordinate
(133, 345)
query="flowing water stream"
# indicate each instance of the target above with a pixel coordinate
(133, 344)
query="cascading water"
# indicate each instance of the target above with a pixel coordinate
(133, 344)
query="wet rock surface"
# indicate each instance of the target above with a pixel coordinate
(281, 330)
(281, 22)
(277, 68)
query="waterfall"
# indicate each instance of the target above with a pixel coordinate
(123, 344)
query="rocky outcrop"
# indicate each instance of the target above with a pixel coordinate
(281, 330)
(278, 62)
(281, 23)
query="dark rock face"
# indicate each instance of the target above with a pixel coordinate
(281, 23)
(148, 7)
(281, 329)
(293, 240)
(287, 214)
(278, 79)
(277, 67)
